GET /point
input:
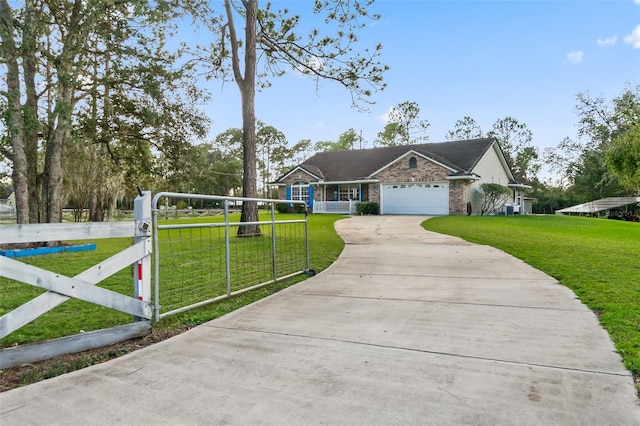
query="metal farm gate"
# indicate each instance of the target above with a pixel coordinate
(200, 261)
(196, 260)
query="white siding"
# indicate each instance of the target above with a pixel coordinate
(491, 170)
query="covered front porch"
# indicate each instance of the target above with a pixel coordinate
(340, 197)
(519, 204)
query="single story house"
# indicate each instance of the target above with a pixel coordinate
(426, 179)
(7, 200)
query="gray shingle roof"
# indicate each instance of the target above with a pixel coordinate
(358, 164)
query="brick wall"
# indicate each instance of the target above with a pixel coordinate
(426, 171)
(297, 176)
(458, 197)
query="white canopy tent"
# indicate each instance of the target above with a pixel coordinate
(610, 203)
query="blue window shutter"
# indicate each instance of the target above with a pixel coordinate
(289, 194)
(360, 193)
(310, 196)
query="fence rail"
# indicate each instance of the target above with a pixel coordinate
(195, 261)
(335, 207)
(200, 263)
(60, 288)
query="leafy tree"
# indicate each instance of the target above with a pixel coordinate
(515, 140)
(271, 47)
(392, 135)
(346, 141)
(105, 73)
(91, 181)
(600, 122)
(623, 152)
(623, 157)
(564, 160)
(606, 154)
(404, 126)
(597, 122)
(226, 173)
(285, 158)
(350, 139)
(230, 142)
(214, 172)
(464, 129)
(494, 196)
(593, 179)
(271, 146)
(268, 140)
(549, 198)
(19, 63)
(301, 151)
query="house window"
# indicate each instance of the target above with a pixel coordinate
(349, 192)
(300, 191)
(413, 163)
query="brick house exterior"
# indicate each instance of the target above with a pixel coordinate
(435, 178)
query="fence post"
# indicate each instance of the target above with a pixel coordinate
(227, 248)
(142, 232)
(274, 252)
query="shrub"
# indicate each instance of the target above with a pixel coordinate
(281, 207)
(367, 208)
(494, 196)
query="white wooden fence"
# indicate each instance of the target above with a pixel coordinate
(82, 286)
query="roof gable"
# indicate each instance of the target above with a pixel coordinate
(310, 170)
(411, 153)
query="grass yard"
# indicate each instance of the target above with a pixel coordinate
(598, 259)
(73, 316)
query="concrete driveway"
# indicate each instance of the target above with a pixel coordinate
(407, 327)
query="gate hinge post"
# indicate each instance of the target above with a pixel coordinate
(142, 232)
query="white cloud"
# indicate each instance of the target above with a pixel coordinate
(311, 63)
(575, 57)
(634, 38)
(384, 118)
(609, 41)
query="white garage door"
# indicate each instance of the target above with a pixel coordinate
(415, 198)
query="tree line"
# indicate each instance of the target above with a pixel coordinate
(601, 163)
(98, 98)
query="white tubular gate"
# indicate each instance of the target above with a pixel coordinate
(201, 262)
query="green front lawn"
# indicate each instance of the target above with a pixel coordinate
(598, 259)
(75, 316)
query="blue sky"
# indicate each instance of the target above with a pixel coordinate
(483, 59)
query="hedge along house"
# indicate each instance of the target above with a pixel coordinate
(426, 179)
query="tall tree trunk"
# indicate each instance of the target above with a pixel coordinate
(30, 110)
(96, 205)
(52, 184)
(52, 177)
(14, 114)
(247, 85)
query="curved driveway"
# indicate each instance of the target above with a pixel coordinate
(406, 327)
